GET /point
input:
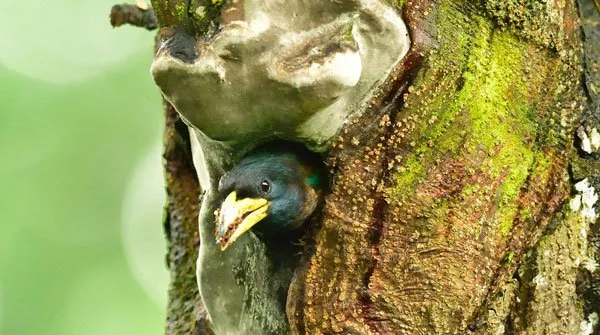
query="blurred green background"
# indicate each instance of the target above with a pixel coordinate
(81, 244)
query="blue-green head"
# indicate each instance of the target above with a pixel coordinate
(273, 189)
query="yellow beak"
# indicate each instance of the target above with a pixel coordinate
(235, 217)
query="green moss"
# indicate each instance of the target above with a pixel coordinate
(161, 9)
(533, 19)
(204, 16)
(410, 172)
(508, 259)
(347, 36)
(470, 190)
(181, 10)
(481, 113)
(399, 3)
(525, 214)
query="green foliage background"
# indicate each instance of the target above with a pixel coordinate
(81, 246)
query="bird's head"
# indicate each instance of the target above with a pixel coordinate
(274, 190)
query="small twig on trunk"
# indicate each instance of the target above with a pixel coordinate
(137, 15)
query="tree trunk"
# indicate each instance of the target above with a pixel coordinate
(462, 198)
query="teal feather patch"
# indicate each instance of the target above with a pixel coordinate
(314, 180)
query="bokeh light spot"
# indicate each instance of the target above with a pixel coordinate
(64, 41)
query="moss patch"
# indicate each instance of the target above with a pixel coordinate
(201, 18)
(541, 21)
(399, 3)
(479, 100)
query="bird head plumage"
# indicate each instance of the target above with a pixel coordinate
(274, 188)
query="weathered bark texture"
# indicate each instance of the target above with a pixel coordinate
(465, 168)
(133, 15)
(459, 201)
(185, 313)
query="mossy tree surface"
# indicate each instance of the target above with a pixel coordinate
(466, 168)
(443, 191)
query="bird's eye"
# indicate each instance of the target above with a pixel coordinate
(265, 186)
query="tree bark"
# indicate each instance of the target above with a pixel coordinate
(462, 200)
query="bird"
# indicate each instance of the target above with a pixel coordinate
(273, 190)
